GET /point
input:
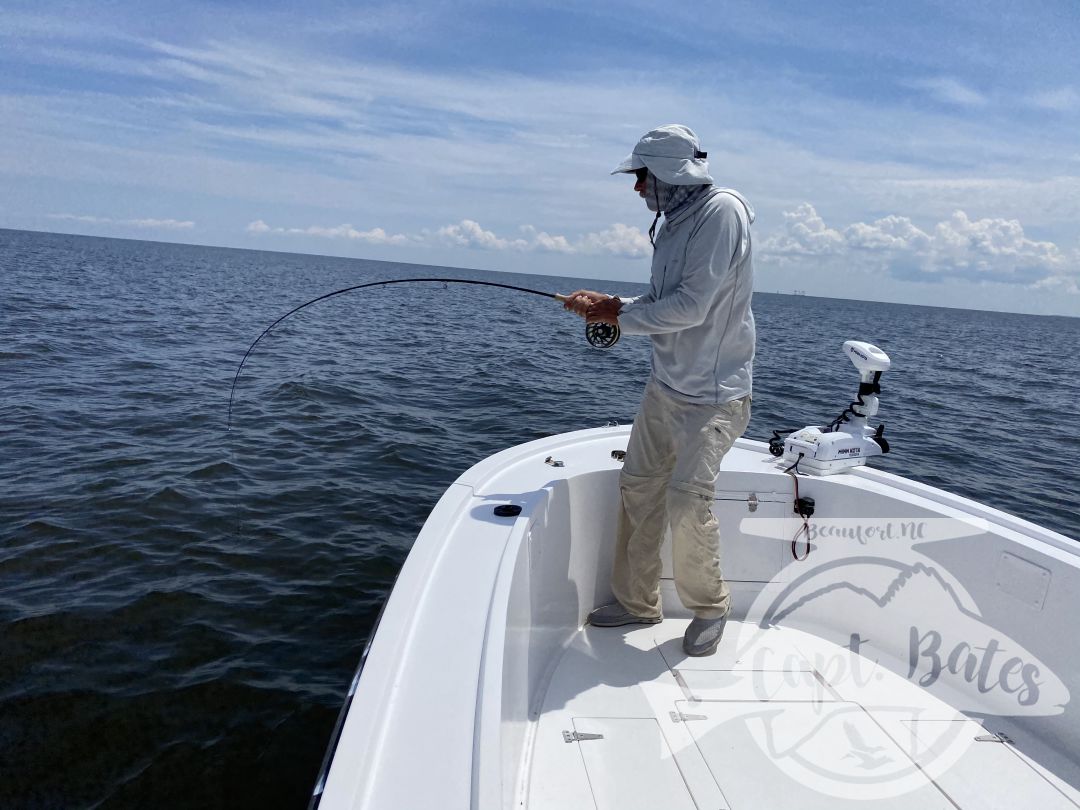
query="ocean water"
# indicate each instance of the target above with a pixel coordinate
(182, 607)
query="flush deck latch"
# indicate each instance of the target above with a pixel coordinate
(679, 717)
(998, 738)
(577, 736)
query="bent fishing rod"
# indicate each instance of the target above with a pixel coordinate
(601, 335)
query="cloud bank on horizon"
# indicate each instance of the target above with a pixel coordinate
(982, 250)
(618, 240)
(903, 156)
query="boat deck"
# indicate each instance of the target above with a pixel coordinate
(776, 718)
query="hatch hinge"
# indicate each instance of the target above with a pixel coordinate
(679, 717)
(752, 501)
(998, 738)
(577, 736)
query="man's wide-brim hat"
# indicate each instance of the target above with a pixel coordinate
(672, 153)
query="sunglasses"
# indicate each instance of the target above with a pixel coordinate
(641, 174)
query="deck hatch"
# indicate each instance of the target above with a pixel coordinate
(632, 767)
(810, 755)
(975, 771)
(1023, 580)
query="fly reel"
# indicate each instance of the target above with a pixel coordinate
(602, 335)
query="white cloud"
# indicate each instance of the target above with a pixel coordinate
(375, 236)
(171, 224)
(469, 234)
(166, 224)
(618, 240)
(1063, 99)
(991, 249)
(949, 91)
(995, 249)
(805, 234)
(890, 233)
(543, 241)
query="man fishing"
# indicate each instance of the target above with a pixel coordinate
(697, 401)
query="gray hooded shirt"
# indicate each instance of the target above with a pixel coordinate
(697, 310)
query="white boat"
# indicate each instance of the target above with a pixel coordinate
(923, 655)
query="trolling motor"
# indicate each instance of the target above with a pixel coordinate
(848, 440)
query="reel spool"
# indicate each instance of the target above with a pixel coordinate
(602, 335)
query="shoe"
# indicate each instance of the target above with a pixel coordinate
(615, 615)
(703, 636)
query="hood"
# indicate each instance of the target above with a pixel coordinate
(746, 203)
(675, 217)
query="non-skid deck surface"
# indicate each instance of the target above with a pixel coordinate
(776, 718)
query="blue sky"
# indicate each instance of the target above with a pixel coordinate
(916, 152)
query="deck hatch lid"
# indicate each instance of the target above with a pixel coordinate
(633, 767)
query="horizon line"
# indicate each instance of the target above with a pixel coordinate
(800, 294)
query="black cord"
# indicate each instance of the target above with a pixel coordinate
(871, 387)
(834, 425)
(793, 471)
(266, 331)
(776, 443)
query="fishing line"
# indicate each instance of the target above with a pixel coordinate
(600, 335)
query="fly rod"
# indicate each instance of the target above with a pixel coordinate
(601, 335)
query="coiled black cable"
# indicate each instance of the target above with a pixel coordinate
(776, 443)
(873, 387)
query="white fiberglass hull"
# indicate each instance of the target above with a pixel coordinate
(923, 655)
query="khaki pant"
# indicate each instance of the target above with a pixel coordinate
(669, 477)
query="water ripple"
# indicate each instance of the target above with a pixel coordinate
(183, 607)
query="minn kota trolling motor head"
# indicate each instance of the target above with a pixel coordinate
(848, 440)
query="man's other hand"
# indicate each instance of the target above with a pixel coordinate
(604, 311)
(580, 301)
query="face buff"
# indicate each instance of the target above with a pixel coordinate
(664, 198)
